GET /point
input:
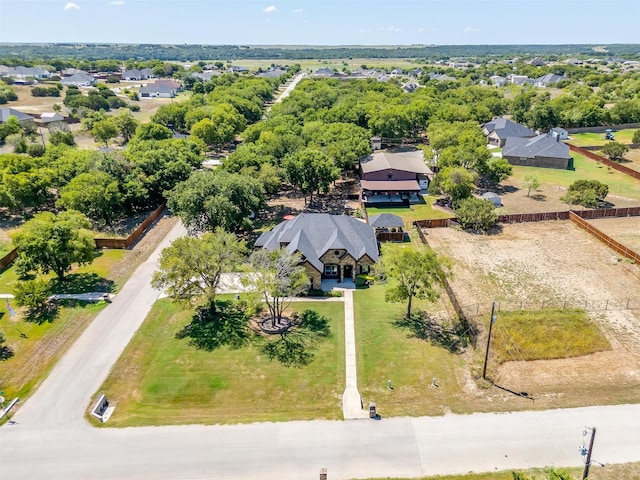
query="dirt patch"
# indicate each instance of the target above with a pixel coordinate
(544, 262)
(625, 230)
(341, 195)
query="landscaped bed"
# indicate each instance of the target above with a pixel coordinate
(161, 379)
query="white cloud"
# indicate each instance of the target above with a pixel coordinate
(71, 6)
(306, 21)
(117, 2)
(365, 30)
(298, 10)
(420, 30)
(471, 29)
(392, 28)
(270, 9)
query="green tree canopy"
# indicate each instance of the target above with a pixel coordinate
(457, 182)
(191, 268)
(413, 274)
(476, 214)
(53, 243)
(310, 170)
(614, 151)
(210, 199)
(96, 194)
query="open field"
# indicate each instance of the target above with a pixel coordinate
(593, 139)
(626, 230)
(163, 380)
(421, 211)
(312, 65)
(27, 103)
(543, 262)
(624, 191)
(37, 347)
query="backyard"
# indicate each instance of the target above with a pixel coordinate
(420, 211)
(160, 379)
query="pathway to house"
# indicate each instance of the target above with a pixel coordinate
(351, 399)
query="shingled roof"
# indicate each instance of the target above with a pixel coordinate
(540, 146)
(313, 234)
(505, 128)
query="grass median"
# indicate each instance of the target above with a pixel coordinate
(161, 380)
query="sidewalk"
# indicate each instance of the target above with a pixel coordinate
(351, 399)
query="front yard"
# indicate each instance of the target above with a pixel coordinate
(161, 380)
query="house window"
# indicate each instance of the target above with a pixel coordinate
(336, 253)
(331, 270)
(364, 268)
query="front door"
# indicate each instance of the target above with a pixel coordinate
(348, 272)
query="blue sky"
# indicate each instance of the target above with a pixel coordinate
(321, 22)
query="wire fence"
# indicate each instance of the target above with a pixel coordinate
(475, 310)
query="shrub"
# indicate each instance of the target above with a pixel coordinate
(35, 150)
(476, 214)
(636, 136)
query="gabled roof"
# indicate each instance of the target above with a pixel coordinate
(51, 117)
(540, 146)
(79, 77)
(313, 234)
(386, 220)
(157, 88)
(326, 71)
(505, 128)
(7, 112)
(549, 79)
(412, 161)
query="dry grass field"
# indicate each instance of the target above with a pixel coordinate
(625, 230)
(544, 262)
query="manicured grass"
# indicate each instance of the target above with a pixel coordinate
(619, 184)
(36, 346)
(545, 335)
(422, 211)
(593, 139)
(160, 379)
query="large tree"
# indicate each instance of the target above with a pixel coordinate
(53, 243)
(207, 200)
(96, 194)
(104, 130)
(278, 276)
(614, 151)
(476, 214)
(413, 274)
(191, 268)
(457, 182)
(310, 170)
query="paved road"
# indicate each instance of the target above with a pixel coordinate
(65, 393)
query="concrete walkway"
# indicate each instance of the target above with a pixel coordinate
(351, 399)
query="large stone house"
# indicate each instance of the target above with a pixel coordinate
(335, 247)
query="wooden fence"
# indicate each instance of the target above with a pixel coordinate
(604, 238)
(434, 223)
(603, 128)
(8, 259)
(605, 161)
(533, 217)
(608, 212)
(390, 236)
(134, 236)
(116, 243)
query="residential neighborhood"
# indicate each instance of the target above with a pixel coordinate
(267, 260)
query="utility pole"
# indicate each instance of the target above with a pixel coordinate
(486, 353)
(587, 462)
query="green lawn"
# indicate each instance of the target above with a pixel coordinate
(37, 346)
(593, 139)
(422, 211)
(160, 379)
(619, 184)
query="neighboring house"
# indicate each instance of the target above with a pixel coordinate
(332, 246)
(497, 80)
(67, 72)
(80, 79)
(492, 197)
(157, 90)
(546, 151)
(410, 87)
(272, 73)
(574, 61)
(323, 72)
(518, 79)
(206, 76)
(21, 74)
(177, 86)
(394, 177)
(238, 69)
(499, 129)
(537, 62)
(136, 75)
(441, 77)
(7, 112)
(560, 132)
(49, 117)
(548, 80)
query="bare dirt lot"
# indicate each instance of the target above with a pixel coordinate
(553, 261)
(626, 230)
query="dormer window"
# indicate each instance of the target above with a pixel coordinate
(390, 175)
(336, 252)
